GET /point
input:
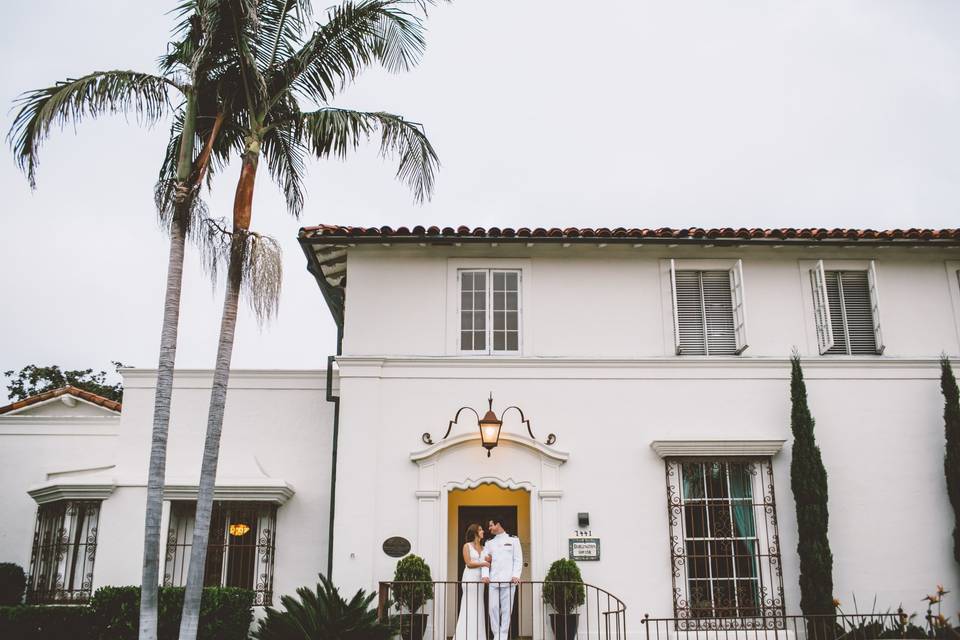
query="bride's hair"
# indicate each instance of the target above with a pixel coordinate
(471, 533)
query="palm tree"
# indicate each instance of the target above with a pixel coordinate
(279, 60)
(188, 71)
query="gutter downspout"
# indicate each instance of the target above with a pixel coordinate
(333, 458)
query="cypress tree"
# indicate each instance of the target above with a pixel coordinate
(808, 480)
(951, 460)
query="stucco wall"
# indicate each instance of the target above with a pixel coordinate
(615, 302)
(879, 426)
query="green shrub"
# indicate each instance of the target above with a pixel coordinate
(46, 623)
(324, 614)
(12, 583)
(417, 583)
(225, 613)
(563, 586)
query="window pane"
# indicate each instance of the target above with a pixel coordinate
(499, 301)
(511, 281)
(480, 301)
(716, 480)
(698, 562)
(746, 558)
(513, 341)
(498, 341)
(720, 525)
(512, 321)
(695, 520)
(724, 599)
(466, 320)
(721, 558)
(479, 341)
(479, 320)
(466, 341)
(499, 321)
(466, 281)
(480, 281)
(498, 278)
(511, 301)
(466, 301)
(692, 480)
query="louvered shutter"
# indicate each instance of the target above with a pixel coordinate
(718, 313)
(688, 313)
(738, 298)
(821, 309)
(875, 306)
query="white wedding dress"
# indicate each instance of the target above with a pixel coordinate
(471, 624)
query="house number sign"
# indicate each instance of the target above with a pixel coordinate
(584, 549)
(396, 547)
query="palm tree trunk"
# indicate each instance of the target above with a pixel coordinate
(243, 201)
(150, 580)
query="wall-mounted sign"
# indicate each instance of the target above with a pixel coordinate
(584, 549)
(396, 547)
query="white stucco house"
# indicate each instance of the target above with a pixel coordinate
(648, 436)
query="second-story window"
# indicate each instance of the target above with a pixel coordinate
(489, 310)
(708, 311)
(847, 310)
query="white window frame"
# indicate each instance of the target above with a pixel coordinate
(823, 326)
(524, 311)
(738, 297)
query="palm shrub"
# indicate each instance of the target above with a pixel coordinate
(808, 479)
(323, 615)
(413, 583)
(951, 460)
(563, 586)
(13, 581)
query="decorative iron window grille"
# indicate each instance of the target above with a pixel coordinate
(64, 548)
(240, 550)
(724, 544)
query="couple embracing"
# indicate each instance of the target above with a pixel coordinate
(497, 563)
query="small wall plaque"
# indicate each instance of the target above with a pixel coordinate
(584, 549)
(396, 547)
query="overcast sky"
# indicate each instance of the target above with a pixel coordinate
(630, 113)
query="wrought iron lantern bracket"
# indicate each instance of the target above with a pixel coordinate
(428, 439)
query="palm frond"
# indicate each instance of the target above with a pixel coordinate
(285, 162)
(282, 25)
(333, 132)
(400, 40)
(336, 52)
(102, 92)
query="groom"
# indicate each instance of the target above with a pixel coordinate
(505, 556)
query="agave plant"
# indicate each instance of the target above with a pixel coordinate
(324, 614)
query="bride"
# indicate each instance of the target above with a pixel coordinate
(471, 623)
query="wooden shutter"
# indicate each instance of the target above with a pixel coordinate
(737, 297)
(821, 308)
(721, 336)
(689, 317)
(875, 305)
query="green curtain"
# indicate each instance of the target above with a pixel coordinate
(741, 501)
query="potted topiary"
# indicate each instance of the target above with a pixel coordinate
(412, 588)
(563, 590)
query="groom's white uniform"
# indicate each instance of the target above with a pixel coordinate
(506, 563)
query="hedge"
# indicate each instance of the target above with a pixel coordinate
(46, 623)
(114, 614)
(12, 583)
(225, 613)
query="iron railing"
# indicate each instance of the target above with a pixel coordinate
(872, 626)
(540, 611)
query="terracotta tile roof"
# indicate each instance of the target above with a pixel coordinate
(621, 234)
(112, 405)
